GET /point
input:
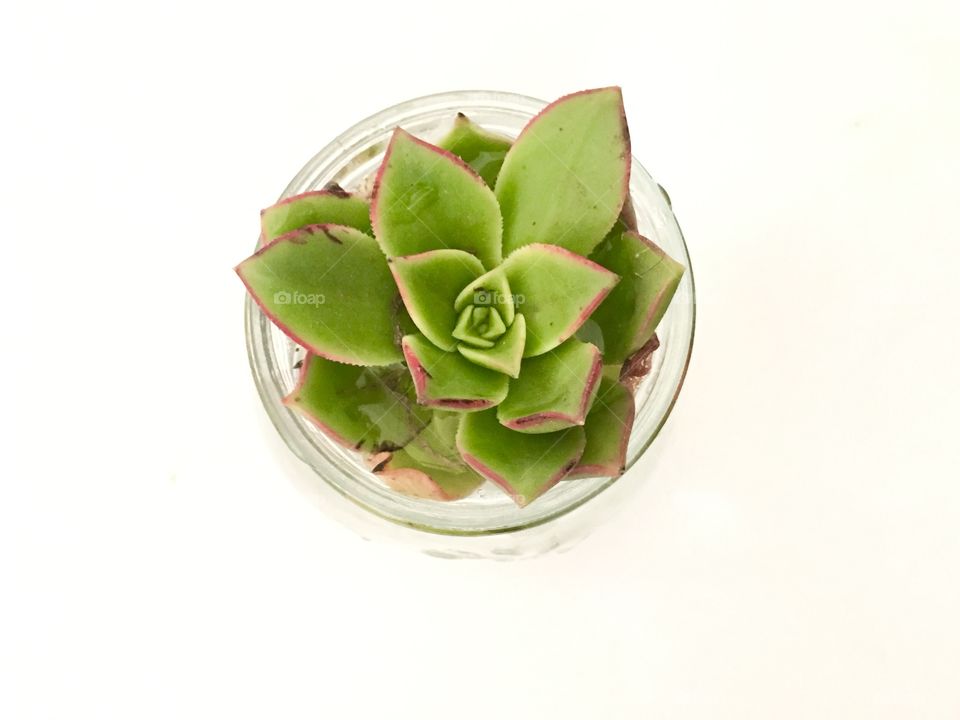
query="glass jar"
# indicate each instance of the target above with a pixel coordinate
(488, 523)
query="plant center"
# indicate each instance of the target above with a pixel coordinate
(479, 326)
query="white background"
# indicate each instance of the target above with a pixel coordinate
(797, 553)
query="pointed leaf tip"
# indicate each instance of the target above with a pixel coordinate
(565, 179)
(629, 315)
(481, 149)
(329, 289)
(426, 198)
(332, 205)
(522, 465)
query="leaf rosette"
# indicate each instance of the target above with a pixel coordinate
(498, 277)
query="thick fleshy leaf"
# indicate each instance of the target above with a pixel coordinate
(629, 315)
(429, 285)
(489, 290)
(554, 390)
(329, 289)
(425, 198)
(371, 409)
(430, 466)
(448, 380)
(523, 465)
(608, 429)
(333, 206)
(481, 149)
(565, 179)
(487, 323)
(506, 355)
(556, 290)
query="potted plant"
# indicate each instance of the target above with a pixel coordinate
(479, 308)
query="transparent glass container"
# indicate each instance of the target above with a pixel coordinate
(488, 523)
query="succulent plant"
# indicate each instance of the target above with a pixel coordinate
(486, 315)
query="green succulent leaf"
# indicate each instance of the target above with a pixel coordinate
(329, 289)
(565, 179)
(366, 408)
(629, 315)
(489, 290)
(481, 149)
(523, 465)
(608, 429)
(448, 380)
(506, 355)
(429, 284)
(332, 206)
(430, 466)
(554, 390)
(491, 326)
(556, 290)
(427, 199)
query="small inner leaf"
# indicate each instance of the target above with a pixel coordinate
(493, 326)
(489, 290)
(464, 323)
(506, 355)
(466, 329)
(479, 326)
